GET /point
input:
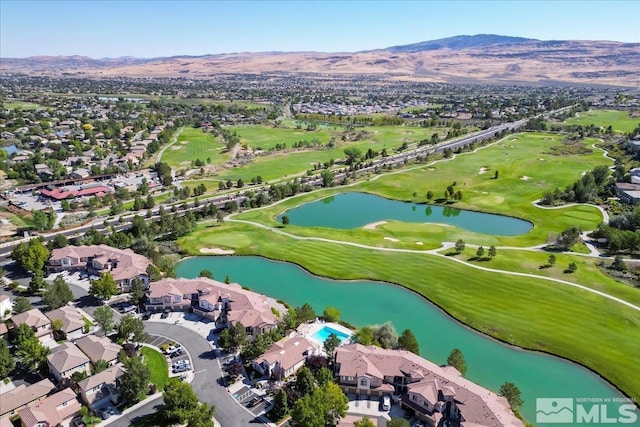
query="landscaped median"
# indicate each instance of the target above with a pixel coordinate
(157, 364)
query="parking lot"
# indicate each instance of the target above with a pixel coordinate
(248, 398)
(178, 357)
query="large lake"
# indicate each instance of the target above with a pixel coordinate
(490, 363)
(353, 210)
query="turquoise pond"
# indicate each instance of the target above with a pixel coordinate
(490, 363)
(353, 210)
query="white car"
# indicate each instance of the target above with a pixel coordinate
(386, 403)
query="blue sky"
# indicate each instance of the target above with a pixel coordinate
(146, 28)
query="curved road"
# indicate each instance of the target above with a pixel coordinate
(205, 384)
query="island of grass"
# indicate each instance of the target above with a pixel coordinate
(619, 120)
(157, 365)
(535, 313)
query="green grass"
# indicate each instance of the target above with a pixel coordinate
(534, 313)
(157, 364)
(194, 144)
(24, 106)
(620, 121)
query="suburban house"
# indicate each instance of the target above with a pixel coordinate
(123, 264)
(285, 357)
(38, 322)
(57, 409)
(5, 305)
(65, 360)
(72, 321)
(101, 388)
(437, 395)
(23, 396)
(99, 348)
(628, 193)
(225, 304)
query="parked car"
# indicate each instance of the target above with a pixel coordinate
(254, 402)
(181, 368)
(78, 422)
(386, 403)
(164, 314)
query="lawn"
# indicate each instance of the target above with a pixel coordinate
(24, 106)
(533, 313)
(620, 121)
(157, 364)
(194, 144)
(526, 171)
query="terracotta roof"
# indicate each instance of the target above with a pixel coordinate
(98, 348)
(34, 318)
(66, 356)
(478, 405)
(107, 378)
(288, 351)
(250, 308)
(129, 264)
(24, 394)
(71, 319)
(53, 410)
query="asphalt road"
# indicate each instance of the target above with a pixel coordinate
(205, 384)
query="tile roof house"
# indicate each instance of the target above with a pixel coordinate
(226, 304)
(99, 348)
(57, 409)
(24, 395)
(72, 321)
(38, 322)
(123, 264)
(436, 394)
(65, 360)
(102, 387)
(285, 357)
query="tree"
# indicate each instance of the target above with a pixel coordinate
(31, 353)
(58, 294)
(103, 316)
(323, 407)
(104, 287)
(330, 344)
(206, 273)
(179, 401)
(202, 417)
(7, 365)
(137, 291)
(131, 329)
(460, 245)
(353, 155)
(573, 267)
(305, 381)
(32, 255)
(135, 381)
(21, 304)
(386, 335)
(364, 422)
(331, 314)
(552, 260)
(492, 251)
(285, 220)
(456, 359)
(408, 341)
(363, 336)
(512, 393)
(60, 241)
(480, 252)
(324, 376)
(618, 264)
(327, 178)
(227, 279)
(569, 237)
(429, 195)
(36, 284)
(99, 366)
(280, 406)
(305, 313)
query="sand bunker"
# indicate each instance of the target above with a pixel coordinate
(525, 178)
(391, 239)
(217, 251)
(373, 225)
(482, 170)
(419, 243)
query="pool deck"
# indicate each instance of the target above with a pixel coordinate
(308, 330)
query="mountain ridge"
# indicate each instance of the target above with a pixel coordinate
(485, 58)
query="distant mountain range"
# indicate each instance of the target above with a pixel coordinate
(482, 58)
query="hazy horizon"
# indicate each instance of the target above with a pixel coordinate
(150, 29)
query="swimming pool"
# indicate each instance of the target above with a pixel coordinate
(323, 333)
